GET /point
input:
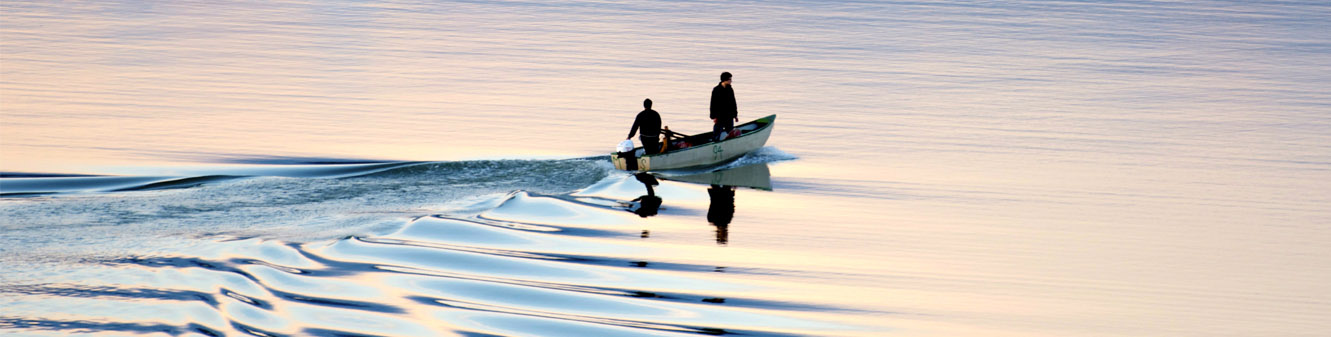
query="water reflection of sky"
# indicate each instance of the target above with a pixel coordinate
(1024, 168)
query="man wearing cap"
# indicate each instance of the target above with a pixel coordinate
(724, 110)
(650, 122)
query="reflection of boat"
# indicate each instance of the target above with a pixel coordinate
(699, 149)
(720, 194)
(752, 176)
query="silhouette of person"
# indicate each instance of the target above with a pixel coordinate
(724, 110)
(650, 204)
(721, 211)
(650, 122)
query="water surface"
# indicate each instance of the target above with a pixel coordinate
(1022, 168)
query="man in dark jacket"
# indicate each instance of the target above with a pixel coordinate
(724, 110)
(650, 122)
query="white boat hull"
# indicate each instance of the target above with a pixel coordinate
(703, 154)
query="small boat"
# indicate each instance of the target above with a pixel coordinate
(699, 150)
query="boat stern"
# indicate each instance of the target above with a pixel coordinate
(617, 161)
(629, 163)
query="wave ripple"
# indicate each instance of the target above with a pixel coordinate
(469, 260)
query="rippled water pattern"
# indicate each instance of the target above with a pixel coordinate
(939, 168)
(579, 263)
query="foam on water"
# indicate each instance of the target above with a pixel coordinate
(303, 203)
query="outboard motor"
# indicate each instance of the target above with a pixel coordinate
(625, 149)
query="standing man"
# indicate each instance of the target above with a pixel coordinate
(724, 110)
(650, 122)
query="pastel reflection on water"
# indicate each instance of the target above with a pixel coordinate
(1015, 168)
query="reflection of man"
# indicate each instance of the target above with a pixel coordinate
(650, 204)
(721, 211)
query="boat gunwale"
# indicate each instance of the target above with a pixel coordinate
(699, 146)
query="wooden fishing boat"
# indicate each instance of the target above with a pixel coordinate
(699, 150)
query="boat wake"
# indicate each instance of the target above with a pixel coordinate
(470, 248)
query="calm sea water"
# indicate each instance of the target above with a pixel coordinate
(1041, 168)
